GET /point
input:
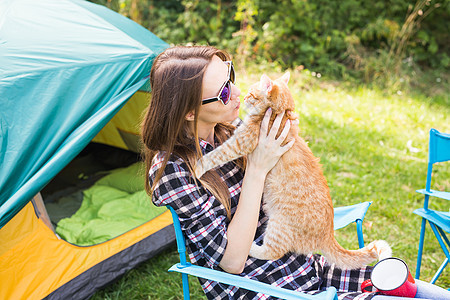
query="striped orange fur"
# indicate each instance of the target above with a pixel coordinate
(296, 194)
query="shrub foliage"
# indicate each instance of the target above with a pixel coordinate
(333, 37)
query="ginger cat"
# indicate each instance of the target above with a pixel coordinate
(296, 195)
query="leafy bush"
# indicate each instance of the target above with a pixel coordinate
(359, 37)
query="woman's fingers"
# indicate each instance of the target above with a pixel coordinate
(276, 125)
(265, 123)
(284, 132)
(269, 149)
(288, 146)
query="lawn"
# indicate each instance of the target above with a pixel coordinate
(373, 146)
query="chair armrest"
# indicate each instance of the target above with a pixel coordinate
(249, 284)
(433, 193)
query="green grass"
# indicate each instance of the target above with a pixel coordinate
(373, 146)
(151, 281)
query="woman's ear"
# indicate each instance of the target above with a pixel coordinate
(190, 116)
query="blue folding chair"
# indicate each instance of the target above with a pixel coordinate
(439, 151)
(343, 217)
(346, 215)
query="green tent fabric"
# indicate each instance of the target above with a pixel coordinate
(66, 68)
(115, 204)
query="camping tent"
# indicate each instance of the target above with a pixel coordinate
(66, 68)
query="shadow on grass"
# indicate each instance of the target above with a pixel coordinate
(151, 280)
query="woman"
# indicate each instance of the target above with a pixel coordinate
(194, 102)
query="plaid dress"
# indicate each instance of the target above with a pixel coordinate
(204, 222)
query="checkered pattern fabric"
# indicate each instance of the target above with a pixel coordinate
(204, 223)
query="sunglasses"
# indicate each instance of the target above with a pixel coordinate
(224, 95)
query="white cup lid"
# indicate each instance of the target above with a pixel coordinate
(389, 274)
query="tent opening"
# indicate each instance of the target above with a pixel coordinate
(98, 196)
(68, 68)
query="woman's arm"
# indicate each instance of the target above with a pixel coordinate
(242, 228)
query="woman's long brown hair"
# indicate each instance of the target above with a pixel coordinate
(176, 83)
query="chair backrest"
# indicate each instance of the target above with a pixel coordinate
(439, 146)
(438, 151)
(181, 243)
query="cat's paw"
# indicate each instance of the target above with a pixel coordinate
(263, 252)
(255, 251)
(198, 169)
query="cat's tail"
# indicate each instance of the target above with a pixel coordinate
(354, 259)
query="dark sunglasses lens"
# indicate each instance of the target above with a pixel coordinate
(232, 74)
(226, 94)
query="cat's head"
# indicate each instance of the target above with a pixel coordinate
(269, 93)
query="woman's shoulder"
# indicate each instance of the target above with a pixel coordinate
(174, 163)
(175, 175)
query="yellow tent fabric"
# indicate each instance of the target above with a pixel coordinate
(123, 129)
(67, 66)
(30, 260)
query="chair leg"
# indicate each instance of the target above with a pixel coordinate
(359, 232)
(438, 233)
(444, 236)
(420, 251)
(185, 281)
(438, 273)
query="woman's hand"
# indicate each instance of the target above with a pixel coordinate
(269, 149)
(242, 227)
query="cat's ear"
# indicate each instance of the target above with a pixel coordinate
(266, 84)
(285, 77)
